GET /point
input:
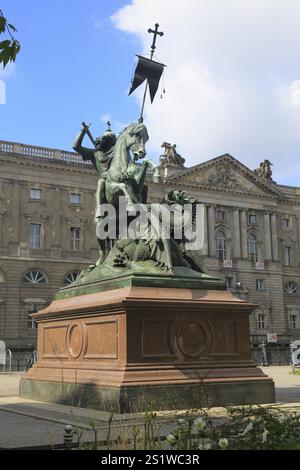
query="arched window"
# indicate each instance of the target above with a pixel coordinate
(35, 277)
(252, 248)
(70, 278)
(291, 287)
(221, 246)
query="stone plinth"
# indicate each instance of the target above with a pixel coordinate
(136, 347)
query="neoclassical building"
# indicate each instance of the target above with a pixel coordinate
(47, 235)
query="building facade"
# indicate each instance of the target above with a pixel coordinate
(47, 235)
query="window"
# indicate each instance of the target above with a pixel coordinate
(2, 277)
(31, 323)
(286, 222)
(261, 323)
(292, 322)
(221, 215)
(70, 278)
(35, 236)
(260, 284)
(35, 193)
(291, 288)
(75, 198)
(287, 255)
(221, 246)
(35, 277)
(252, 219)
(252, 248)
(229, 282)
(75, 238)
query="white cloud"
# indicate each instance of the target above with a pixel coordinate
(2, 92)
(295, 92)
(8, 71)
(232, 79)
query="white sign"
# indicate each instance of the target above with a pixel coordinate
(227, 263)
(2, 353)
(272, 337)
(260, 265)
(296, 354)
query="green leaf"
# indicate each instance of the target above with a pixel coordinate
(14, 50)
(4, 44)
(11, 26)
(2, 24)
(5, 56)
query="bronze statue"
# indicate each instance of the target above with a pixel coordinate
(100, 156)
(264, 170)
(171, 156)
(117, 161)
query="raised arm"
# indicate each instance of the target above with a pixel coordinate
(86, 153)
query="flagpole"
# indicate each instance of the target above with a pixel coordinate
(144, 99)
(155, 33)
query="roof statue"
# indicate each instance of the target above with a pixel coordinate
(171, 157)
(264, 170)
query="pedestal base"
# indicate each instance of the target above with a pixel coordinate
(140, 348)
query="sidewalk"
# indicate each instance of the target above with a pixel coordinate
(287, 385)
(28, 423)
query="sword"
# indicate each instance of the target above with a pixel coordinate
(88, 132)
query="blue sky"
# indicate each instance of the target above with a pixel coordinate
(74, 65)
(232, 79)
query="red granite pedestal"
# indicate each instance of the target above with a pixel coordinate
(136, 347)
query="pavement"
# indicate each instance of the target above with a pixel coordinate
(38, 425)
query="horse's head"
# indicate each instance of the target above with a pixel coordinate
(136, 136)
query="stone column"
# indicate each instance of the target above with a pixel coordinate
(55, 224)
(274, 237)
(236, 234)
(2, 213)
(268, 249)
(211, 231)
(204, 250)
(13, 209)
(244, 234)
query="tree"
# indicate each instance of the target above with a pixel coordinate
(10, 47)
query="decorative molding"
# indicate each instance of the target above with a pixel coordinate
(227, 180)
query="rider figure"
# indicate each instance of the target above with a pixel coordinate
(101, 157)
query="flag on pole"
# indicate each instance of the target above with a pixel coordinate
(149, 70)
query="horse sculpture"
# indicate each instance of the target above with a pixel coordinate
(119, 174)
(124, 176)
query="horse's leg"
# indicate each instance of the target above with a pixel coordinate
(102, 251)
(130, 198)
(141, 176)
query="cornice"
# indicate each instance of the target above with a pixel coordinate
(50, 164)
(223, 190)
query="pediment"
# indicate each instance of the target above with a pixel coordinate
(225, 173)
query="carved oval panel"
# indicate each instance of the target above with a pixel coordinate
(75, 340)
(193, 338)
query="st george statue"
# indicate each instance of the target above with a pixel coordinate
(119, 175)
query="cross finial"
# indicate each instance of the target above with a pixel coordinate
(155, 32)
(108, 126)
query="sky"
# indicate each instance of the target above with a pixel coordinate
(232, 81)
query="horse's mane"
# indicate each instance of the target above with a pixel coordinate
(135, 128)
